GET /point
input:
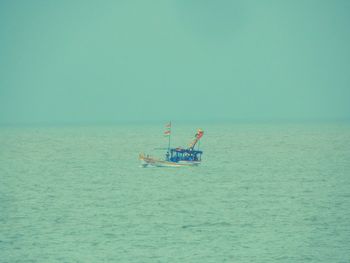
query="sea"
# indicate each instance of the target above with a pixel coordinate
(265, 192)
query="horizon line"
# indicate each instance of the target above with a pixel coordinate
(218, 121)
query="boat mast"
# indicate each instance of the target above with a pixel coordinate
(169, 136)
(168, 133)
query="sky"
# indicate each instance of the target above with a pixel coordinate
(75, 61)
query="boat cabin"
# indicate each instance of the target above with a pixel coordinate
(179, 154)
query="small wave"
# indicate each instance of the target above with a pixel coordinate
(218, 224)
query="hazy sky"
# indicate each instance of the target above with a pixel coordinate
(110, 61)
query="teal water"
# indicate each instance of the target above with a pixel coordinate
(264, 193)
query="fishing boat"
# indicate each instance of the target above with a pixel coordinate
(176, 157)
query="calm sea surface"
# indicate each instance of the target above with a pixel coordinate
(264, 193)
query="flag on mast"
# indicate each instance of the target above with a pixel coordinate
(167, 131)
(199, 134)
